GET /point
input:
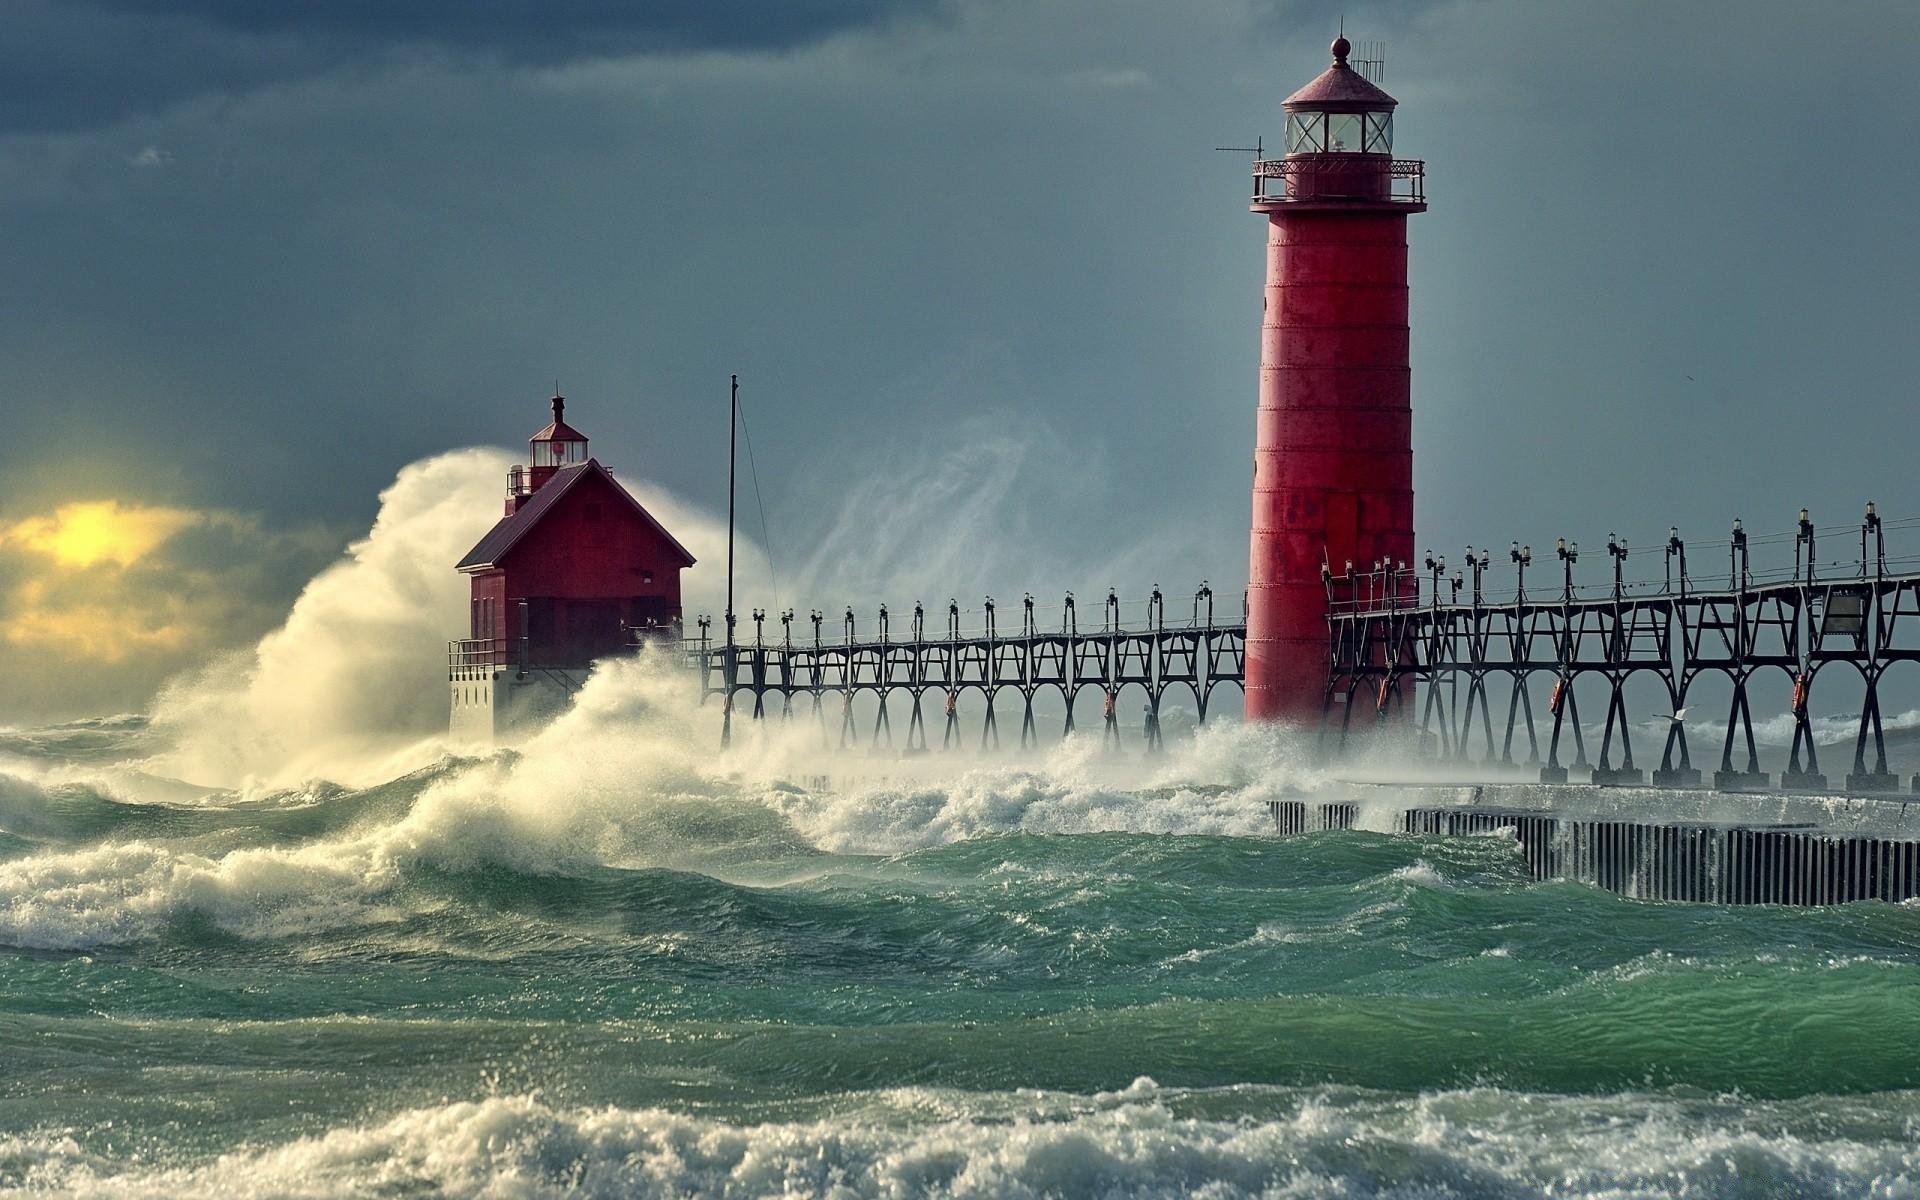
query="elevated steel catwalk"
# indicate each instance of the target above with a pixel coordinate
(1781, 636)
(1394, 646)
(1159, 656)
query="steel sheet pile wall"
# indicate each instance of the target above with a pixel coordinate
(1695, 863)
(1293, 816)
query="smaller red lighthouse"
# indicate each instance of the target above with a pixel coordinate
(576, 570)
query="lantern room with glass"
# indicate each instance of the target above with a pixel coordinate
(1339, 133)
(559, 444)
(559, 452)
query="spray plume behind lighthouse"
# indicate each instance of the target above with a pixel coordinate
(1333, 453)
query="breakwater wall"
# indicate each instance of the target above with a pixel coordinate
(1657, 844)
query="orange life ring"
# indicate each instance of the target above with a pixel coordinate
(1558, 696)
(1800, 695)
(1386, 689)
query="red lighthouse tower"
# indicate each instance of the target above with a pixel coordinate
(1333, 456)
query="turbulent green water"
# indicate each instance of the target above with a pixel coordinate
(644, 975)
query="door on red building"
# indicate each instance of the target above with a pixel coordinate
(591, 629)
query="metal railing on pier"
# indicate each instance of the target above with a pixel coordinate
(1157, 655)
(1399, 635)
(474, 658)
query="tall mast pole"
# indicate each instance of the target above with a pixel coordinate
(733, 434)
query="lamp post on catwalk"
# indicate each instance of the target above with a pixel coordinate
(1333, 451)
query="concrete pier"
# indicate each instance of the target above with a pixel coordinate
(1655, 844)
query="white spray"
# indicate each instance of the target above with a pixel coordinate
(352, 686)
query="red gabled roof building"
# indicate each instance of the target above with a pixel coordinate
(577, 569)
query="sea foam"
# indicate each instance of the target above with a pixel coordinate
(1141, 1142)
(625, 778)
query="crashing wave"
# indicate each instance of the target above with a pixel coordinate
(1143, 1141)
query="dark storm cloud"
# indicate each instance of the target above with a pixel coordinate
(1666, 276)
(516, 29)
(78, 65)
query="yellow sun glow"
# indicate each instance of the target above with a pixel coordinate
(109, 630)
(93, 531)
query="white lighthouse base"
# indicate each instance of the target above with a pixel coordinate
(500, 705)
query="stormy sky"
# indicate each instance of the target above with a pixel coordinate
(977, 263)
